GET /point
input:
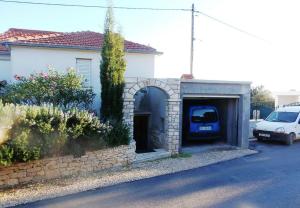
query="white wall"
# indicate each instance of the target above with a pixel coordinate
(281, 100)
(25, 61)
(5, 68)
(140, 65)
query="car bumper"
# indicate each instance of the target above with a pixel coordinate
(272, 135)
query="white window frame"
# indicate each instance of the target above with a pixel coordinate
(85, 84)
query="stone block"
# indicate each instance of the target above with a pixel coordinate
(152, 82)
(34, 169)
(18, 174)
(25, 179)
(52, 174)
(12, 182)
(158, 83)
(31, 174)
(6, 172)
(40, 173)
(4, 177)
(24, 166)
(63, 165)
(51, 164)
(75, 164)
(174, 96)
(137, 87)
(67, 158)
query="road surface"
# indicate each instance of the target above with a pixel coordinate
(268, 179)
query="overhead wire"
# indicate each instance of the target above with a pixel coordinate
(93, 6)
(137, 8)
(231, 26)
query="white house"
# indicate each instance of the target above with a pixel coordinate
(23, 52)
(285, 98)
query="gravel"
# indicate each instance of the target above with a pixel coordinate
(71, 185)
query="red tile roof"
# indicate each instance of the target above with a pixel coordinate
(84, 40)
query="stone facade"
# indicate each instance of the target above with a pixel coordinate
(172, 88)
(58, 167)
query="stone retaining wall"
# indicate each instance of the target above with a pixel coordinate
(57, 167)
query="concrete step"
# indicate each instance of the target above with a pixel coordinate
(150, 156)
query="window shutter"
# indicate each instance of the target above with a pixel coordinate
(84, 69)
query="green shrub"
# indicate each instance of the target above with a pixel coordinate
(82, 126)
(22, 148)
(64, 90)
(3, 84)
(33, 132)
(6, 155)
(44, 128)
(119, 135)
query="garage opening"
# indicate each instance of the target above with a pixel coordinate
(210, 120)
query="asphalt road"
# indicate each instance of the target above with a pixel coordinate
(269, 179)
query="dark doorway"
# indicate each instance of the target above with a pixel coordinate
(140, 134)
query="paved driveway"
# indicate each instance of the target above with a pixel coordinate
(268, 179)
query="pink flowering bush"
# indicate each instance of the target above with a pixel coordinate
(63, 90)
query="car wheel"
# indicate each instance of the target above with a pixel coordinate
(290, 139)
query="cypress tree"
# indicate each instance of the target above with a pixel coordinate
(112, 71)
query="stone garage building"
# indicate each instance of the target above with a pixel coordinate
(156, 110)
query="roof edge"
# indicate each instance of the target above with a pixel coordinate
(42, 45)
(204, 81)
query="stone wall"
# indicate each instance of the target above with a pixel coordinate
(172, 88)
(58, 167)
(173, 119)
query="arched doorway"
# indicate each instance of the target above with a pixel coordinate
(150, 119)
(170, 88)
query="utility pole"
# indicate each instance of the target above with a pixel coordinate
(192, 41)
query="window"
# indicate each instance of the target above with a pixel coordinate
(287, 117)
(84, 69)
(204, 116)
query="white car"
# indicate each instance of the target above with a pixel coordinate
(282, 124)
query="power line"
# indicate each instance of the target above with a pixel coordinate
(135, 8)
(93, 6)
(231, 26)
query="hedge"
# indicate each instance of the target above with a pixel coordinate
(34, 132)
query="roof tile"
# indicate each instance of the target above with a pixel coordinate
(85, 39)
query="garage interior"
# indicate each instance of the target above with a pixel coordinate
(227, 108)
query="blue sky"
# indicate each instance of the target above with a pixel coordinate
(220, 52)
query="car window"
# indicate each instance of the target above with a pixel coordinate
(204, 116)
(287, 117)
